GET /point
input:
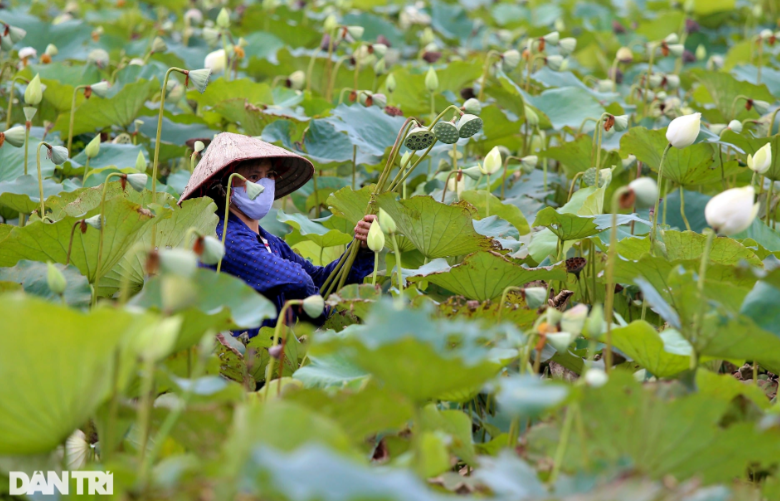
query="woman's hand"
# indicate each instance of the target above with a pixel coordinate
(361, 230)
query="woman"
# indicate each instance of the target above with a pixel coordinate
(262, 260)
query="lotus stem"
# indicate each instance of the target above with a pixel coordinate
(334, 75)
(560, 451)
(145, 407)
(447, 182)
(227, 212)
(11, 100)
(487, 197)
(277, 332)
(586, 120)
(102, 231)
(376, 266)
(613, 76)
(699, 318)
(529, 63)
(70, 242)
(652, 46)
(506, 166)
(682, 209)
(398, 263)
(734, 105)
(40, 175)
(610, 274)
(772, 122)
(653, 232)
(485, 70)
(504, 295)
(329, 65)
(73, 116)
(769, 202)
(354, 165)
(573, 182)
(157, 143)
(86, 170)
(309, 70)
(193, 161)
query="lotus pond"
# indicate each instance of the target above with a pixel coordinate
(576, 291)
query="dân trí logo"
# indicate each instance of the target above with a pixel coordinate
(97, 482)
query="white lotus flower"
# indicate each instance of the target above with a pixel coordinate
(492, 162)
(761, 162)
(216, 61)
(27, 53)
(732, 211)
(683, 131)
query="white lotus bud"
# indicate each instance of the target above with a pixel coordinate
(386, 222)
(376, 237)
(473, 106)
(701, 53)
(531, 117)
(555, 62)
(683, 131)
(93, 147)
(159, 45)
(427, 36)
(624, 55)
(492, 162)
(621, 123)
(216, 61)
(735, 126)
(676, 49)
(596, 377)
(672, 38)
(33, 93)
(646, 191)
(762, 107)
(211, 250)
(732, 211)
(390, 83)
(15, 136)
(552, 38)
(58, 154)
(762, 160)
(431, 80)
(55, 279)
(223, 18)
(51, 50)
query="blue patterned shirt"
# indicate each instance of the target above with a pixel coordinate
(281, 274)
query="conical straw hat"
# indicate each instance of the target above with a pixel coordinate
(228, 149)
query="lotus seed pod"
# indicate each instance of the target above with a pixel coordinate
(386, 222)
(529, 162)
(535, 297)
(555, 62)
(567, 45)
(58, 154)
(314, 306)
(376, 238)
(33, 93)
(672, 81)
(199, 79)
(510, 59)
(140, 162)
(55, 279)
(380, 67)
(672, 38)
(390, 83)
(380, 100)
(199, 146)
(762, 107)
(473, 172)
(6, 44)
(223, 18)
(735, 126)
(431, 80)
(419, 138)
(624, 55)
(213, 250)
(253, 190)
(589, 177)
(661, 96)
(176, 261)
(683, 131)
(762, 160)
(379, 49)
(100, 89)
(560, 340)
(210, 36)
(15, 136)
(16, 34)
(93, 147)
(138, 180)
(446, 132)
(552, 38)
(468, 125)
(732, 211)
(595, 377)
(646, 191)
(701, 53)
(472, 106)
(99, 57)
(718, 129)
(95, 221)
(297, 80)
(531, 117)
(51, 50)
(655, 80)
(159, 45)
(492, 162)
(355, 32)
(676, 50)
(621, 123)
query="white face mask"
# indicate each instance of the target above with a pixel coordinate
(255, 209)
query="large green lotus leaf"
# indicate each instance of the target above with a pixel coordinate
(177, 129)
(374, 26)
(567, 106)
(527, 396)
(436, 229)
(574, 156)
(504, 210)
(332, 369)
(60, 95)
(721, 88)
(369, 128)
(350, 204)
(739, 338)
(640, 341)
(497, 125)
(510, 97)
(726, 387)
(278, 475)
(12, 159)
(690, 245)
(484, 275)
(69, 36)
(457, 425)
(193, 213)
(683, 437)
(566, 226)
(119, 110)
(222, 302)
(324, 145)
(221, 90)
(31, 275)
(310, 230)
(59, 360)
(355, 298)
(40, 241)
(362, 413)
(113, 155)
(252, 119)
(23, 194)
(762, 305)
(687, 166)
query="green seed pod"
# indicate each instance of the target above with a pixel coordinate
(555, 62)
(646, 191)
(446, 132)
(51, 50)
(535, 297)
(672, 38)
(376, 238)
(655, 80)
(621, 123)
(431, 80)
(158, 45)
(552, 38)
(531, 116)
(99, 57)
(199, 79)
(468, 125)
(33, 93)
(29, 112)
(100, 89)
(380, 100)
(314, 306)
(213, 250)
(140, 162)
(529, 162)
(55, 279)
(177, 261)
(762, 107)
(735, 126)
(16, 34)
(419, 139)
(567, 45)
(93, 147)
(386, 222)
(380, 49)
(355, 32)
(472, 106)
(138, 181)
(58, 154)
(473, 172)
(15, 136)
(510, 59)
(676, 49)
(253, 190)
(672, 81)
(95, 221)
(390, 83)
